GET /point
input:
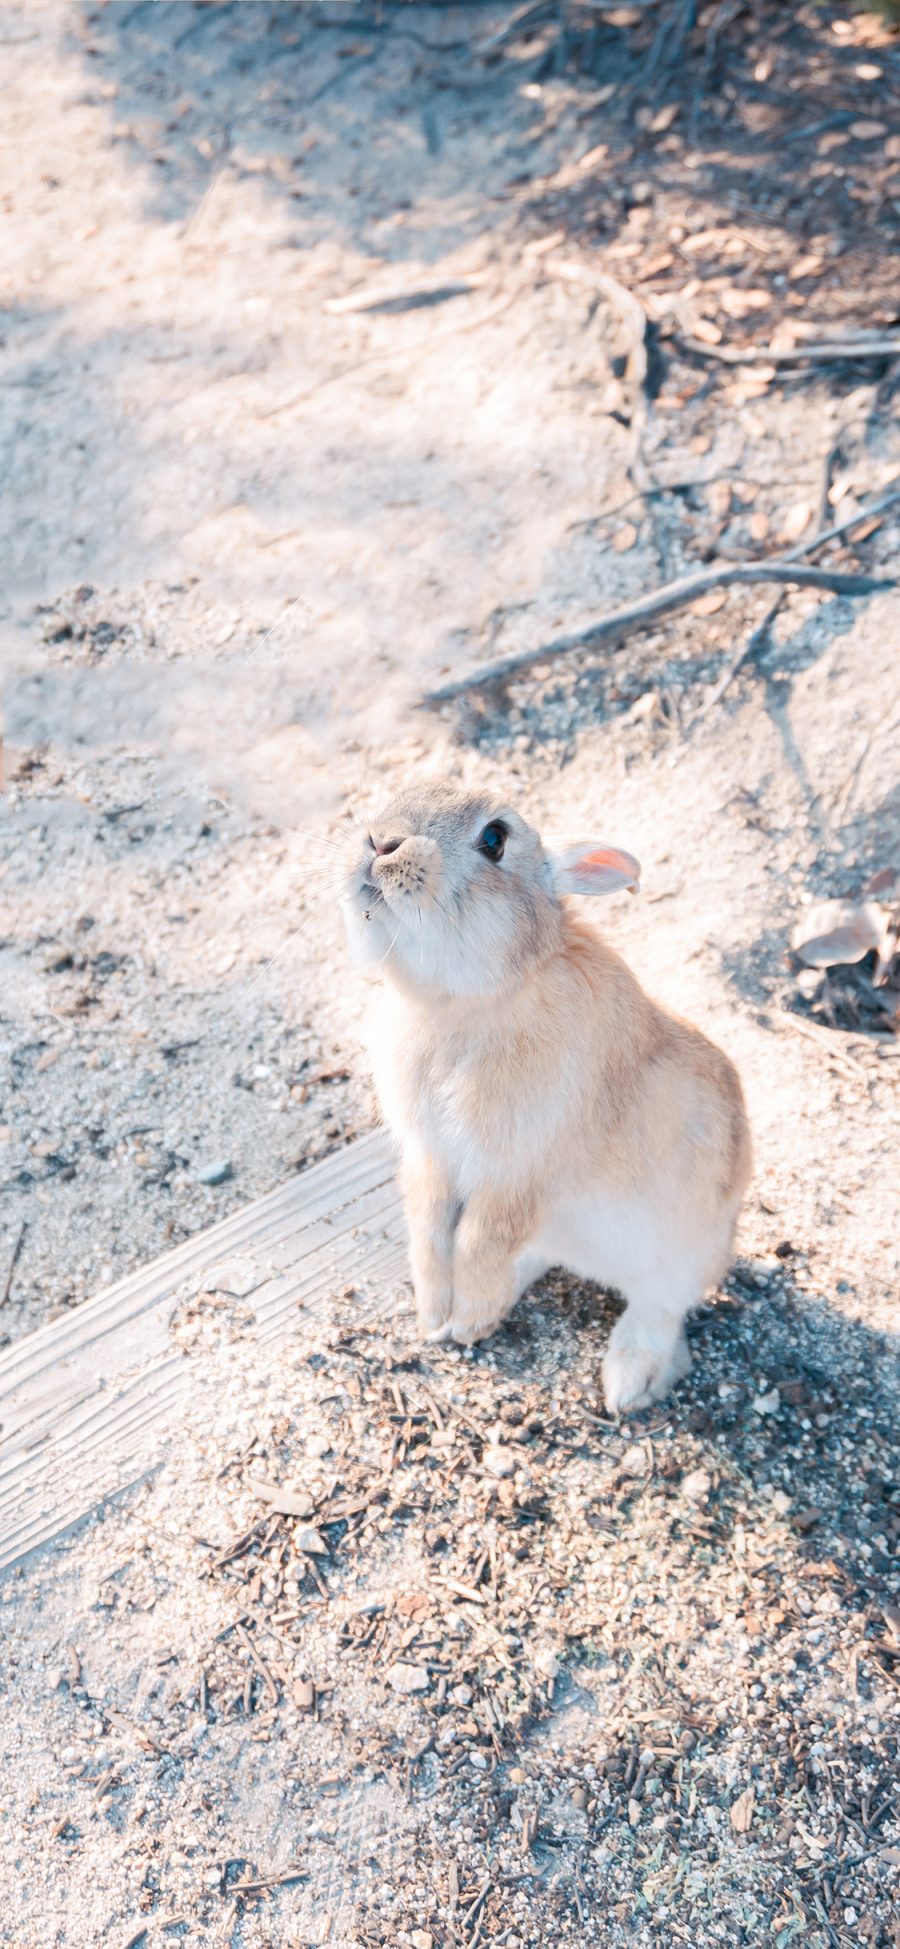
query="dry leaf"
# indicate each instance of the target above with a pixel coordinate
(701, 443)
(702, 240)
(720, 499)
(809, 266)
(412, 1603)
(739, 304)
(708, 605)
(881, 884)
(665, 118)
(742, 1811)
(867, 131)
(759, 525)
(707, 332)
(624, 538)
(598, 154)
(655, 265)
(796, 519)
(836, 932)
(892, 148)
(309, 1541)
(539, 246)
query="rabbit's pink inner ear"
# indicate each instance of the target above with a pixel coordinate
(596, 868)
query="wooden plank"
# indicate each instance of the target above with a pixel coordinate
(85, 1402)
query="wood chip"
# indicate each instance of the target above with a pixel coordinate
(284, 1501)
(742, 1810)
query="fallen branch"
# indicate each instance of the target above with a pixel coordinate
(673, 595)
(820, 349)
(759, 637)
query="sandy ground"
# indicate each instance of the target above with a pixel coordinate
(250, 524)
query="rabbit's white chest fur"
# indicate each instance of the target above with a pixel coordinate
(434, 1097)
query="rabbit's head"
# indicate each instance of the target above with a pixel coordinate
(454, 893)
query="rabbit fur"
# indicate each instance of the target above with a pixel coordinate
(548, 1112)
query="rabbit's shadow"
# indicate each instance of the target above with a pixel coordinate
(787, 1396)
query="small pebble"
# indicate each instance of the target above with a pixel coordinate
(217, 1173)
(408, 1679)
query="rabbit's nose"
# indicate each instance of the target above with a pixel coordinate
(389, 846)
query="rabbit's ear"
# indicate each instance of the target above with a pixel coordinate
(592, 867)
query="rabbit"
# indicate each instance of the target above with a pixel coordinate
(548, 1112)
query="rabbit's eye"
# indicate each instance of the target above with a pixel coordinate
(493, 840)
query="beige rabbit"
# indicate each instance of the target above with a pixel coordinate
(549, 1113)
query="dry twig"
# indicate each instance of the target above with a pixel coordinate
(660, 602)
(813, 352)
(14, 1260)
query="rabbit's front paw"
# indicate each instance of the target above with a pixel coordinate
(433, 1305)
(635, 1374)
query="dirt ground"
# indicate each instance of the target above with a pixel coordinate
(308, 403)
